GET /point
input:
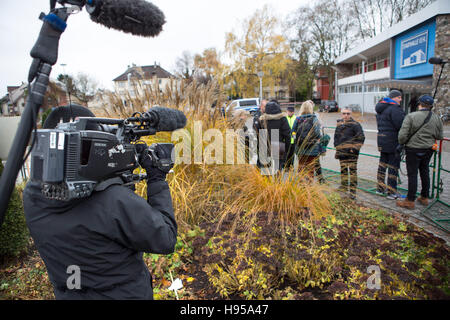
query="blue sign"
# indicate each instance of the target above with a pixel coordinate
(414, 50)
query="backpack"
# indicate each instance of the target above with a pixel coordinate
(305, 134)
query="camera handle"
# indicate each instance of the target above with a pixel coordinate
(45, 55)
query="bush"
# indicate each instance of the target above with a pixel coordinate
(14, 236)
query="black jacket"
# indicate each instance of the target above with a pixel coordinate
(104, 235)
(274, 119)
(390, 118)
(348, 139)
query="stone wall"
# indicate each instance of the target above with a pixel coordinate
(442, 50)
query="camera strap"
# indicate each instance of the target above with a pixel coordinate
(427, 119)
(108, 183)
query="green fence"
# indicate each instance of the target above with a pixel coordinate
(438, 211)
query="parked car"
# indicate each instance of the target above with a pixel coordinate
(250, 105)
(354, 107)
(328, 106)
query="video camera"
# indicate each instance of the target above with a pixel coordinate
(71, 161)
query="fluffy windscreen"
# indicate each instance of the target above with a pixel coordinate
(169, 119)
(137, 17)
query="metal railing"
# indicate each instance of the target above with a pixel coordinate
(438, 211)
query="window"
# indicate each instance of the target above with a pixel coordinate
(248, 103)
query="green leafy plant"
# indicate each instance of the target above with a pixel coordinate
(14, 235)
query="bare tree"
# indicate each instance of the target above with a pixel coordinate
(83, 87)
(375, 16)
(184, 65)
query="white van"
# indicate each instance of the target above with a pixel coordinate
(251, 105)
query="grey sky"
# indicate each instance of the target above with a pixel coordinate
(87, 47)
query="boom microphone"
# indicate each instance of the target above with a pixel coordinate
(436, 60)
(166, 119)
(137, 17)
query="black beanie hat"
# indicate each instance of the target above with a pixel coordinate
(273, 107)
(394, 94)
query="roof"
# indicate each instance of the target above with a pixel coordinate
(425, 84)
(436, 8)
(144, 72)
(11, 89)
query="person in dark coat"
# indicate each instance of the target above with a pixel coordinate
(257, 127)
(258, 114)
(274, 120)
(103, 237)
(307, 134)
(348, 140)
(390, 118)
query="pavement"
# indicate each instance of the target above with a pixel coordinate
(367, 170)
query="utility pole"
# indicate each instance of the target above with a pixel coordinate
(363, 83)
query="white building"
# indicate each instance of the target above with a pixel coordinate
(395, 59)
(137, 78)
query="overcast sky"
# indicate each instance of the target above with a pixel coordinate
(104, 54)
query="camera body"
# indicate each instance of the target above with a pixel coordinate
(72, 162)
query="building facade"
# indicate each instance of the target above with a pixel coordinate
(398, 59)
(136, 79)
(13, 104)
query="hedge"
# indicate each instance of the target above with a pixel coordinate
(14, 235)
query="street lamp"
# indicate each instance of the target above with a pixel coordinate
(66, 77)
(260, 75)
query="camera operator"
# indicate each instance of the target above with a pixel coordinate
(103, 237)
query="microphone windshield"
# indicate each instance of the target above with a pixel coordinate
(435, 60)
(168, 119)
(137, 17)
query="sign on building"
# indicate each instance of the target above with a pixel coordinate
(414, 50)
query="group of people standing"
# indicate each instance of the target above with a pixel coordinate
(417, 134)
(302, 136)
(298, 135)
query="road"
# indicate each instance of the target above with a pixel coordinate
(367, 166)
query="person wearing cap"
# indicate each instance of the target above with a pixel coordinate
(390, 118)
(291, 147)
(419, 131)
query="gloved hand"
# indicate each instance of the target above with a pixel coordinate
(153, 173)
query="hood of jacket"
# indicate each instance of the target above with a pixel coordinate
(268, 117)
(305, 116)
(341, 122)
(273, 108)
(33, 191)
(384, 104)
